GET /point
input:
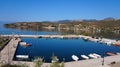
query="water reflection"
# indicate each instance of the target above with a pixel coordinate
(88, 32)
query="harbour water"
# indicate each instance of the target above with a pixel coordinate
(62, 48)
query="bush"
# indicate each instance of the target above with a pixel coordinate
(38, 61)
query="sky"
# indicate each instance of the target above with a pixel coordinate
(53, 10)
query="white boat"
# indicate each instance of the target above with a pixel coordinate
(22, 56)
(23, 43)
(95, 40)
(85, 38)
(61, 37)
(74, 57)
(92, 56)
(97, 55)
(84, 57)
(118, 53)
(109, 43)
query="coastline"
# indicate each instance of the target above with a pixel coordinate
(9, 50)
(81, 63)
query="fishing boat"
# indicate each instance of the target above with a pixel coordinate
(84, 57)
(75, 58)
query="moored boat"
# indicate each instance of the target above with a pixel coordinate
(97, 55)
(109, 43)
(22, 56)
(92, 56)
(84, 57)
(85, 38)
(75, 58)
(25, 44)
(117, 44)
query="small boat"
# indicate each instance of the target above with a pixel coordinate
(84, 57)
(22, 56)
(29, 44)
(37, 36)
(117, 44)
(118, 53)
(111, 53)
(75, 58)
(61, 37)
(109, 43)
(92, 56)
(47, 36)
(25, 44)
(95, 40)
(97, 55)
(85, 38)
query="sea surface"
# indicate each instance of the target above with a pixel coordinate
(62, 48)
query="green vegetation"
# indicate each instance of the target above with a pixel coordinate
(55, 62)
(38, 61)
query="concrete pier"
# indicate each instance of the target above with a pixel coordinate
(82, 63)
(94, 62)
(103, 40)
(8, 52)
(43, 36)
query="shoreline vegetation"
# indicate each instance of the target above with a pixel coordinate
(101, 28)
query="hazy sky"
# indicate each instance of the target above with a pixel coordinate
(52, 10)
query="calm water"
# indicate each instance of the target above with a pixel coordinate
(62, 48)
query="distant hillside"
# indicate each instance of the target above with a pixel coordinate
(98, 23)
(87, 27)
(90, 20)
(64, 21)
(109, 18)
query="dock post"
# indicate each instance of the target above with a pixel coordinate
(103, 60)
